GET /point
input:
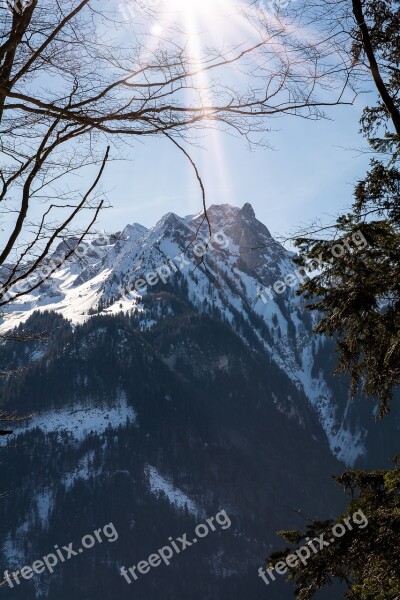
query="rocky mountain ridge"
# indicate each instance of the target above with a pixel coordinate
(240, 270)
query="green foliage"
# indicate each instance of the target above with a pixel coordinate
(358, 296)
(366, 559)
(359, 292)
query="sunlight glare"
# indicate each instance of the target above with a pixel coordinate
(157, 29)
(190, 7)
(200, 12)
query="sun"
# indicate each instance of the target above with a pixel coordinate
(192, 13)
(200, 29)
(192, 7)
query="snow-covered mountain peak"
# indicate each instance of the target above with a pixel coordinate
(107, 272)
(169, 221)
(240, 273)
(133, 232)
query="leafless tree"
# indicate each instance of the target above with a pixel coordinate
(77, 82)
(348, 29)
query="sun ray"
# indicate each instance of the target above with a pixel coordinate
(229, 27)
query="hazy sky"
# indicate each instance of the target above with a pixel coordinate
(310, 172)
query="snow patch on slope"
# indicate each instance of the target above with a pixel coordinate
(13, 544)
(72, 302)
(158, 484)
(345, 444)
(83, 470)
(44, 503)
(80, 420)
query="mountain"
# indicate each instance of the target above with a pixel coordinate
(176, 376)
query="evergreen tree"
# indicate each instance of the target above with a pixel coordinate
(367, 558)
(358, 291)
(358, 295)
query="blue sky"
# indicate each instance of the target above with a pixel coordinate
(309, 173)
